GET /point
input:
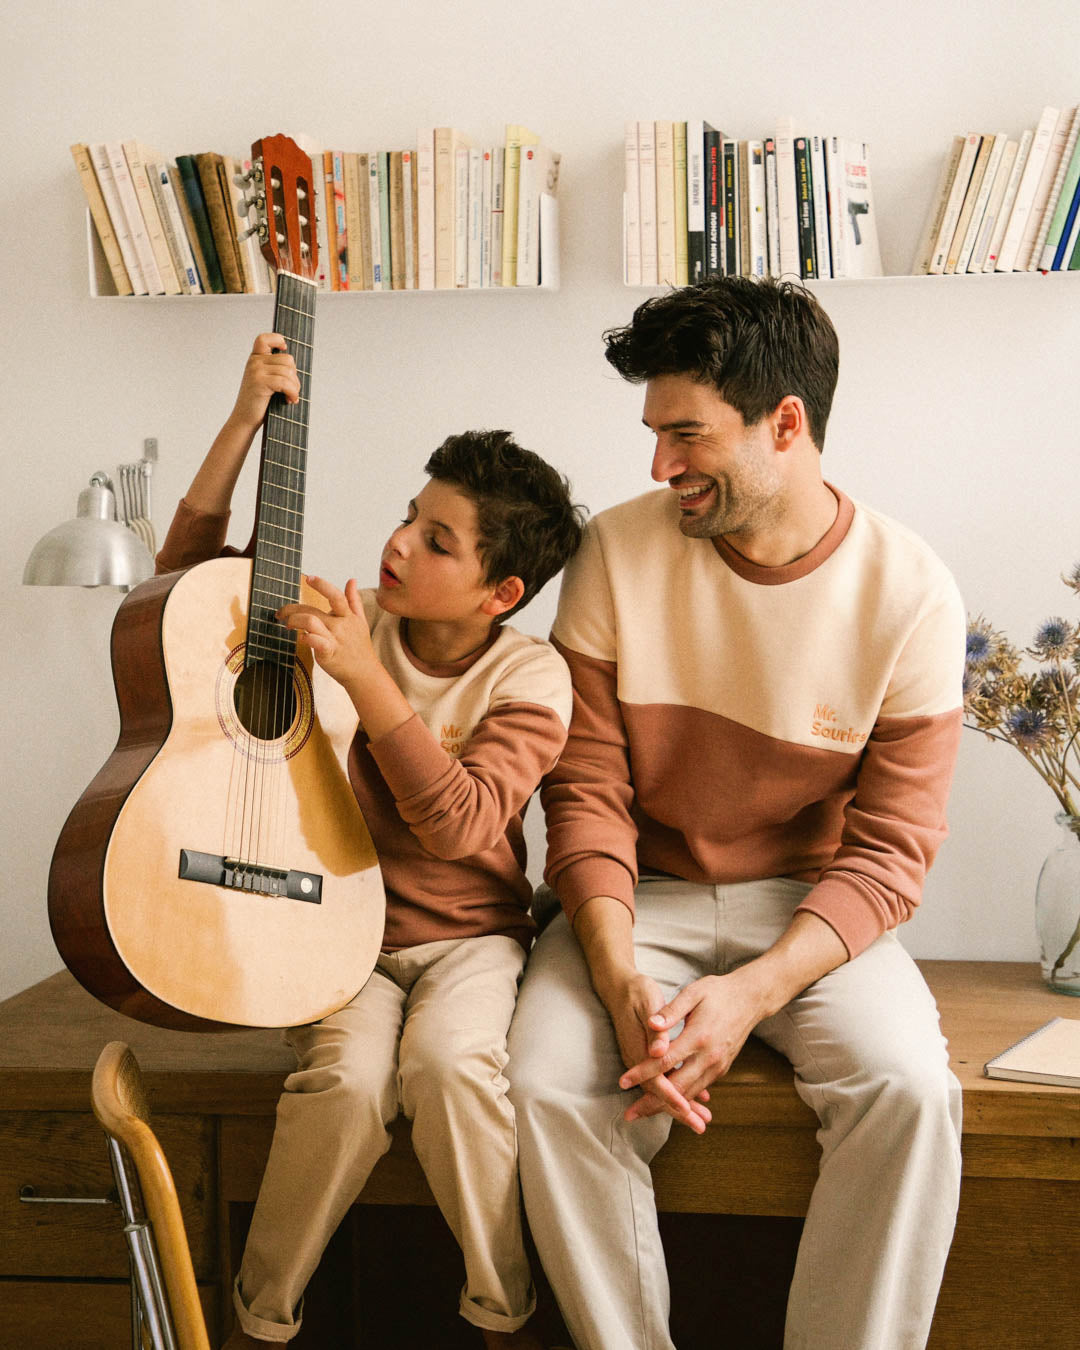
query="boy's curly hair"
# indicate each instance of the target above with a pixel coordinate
(527, 525)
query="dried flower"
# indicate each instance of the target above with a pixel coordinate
(1037, 712)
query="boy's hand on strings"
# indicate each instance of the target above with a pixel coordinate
(338, 637)
(270, 370)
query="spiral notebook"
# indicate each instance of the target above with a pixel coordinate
(1049, 1055)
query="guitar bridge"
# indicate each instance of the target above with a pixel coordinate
(257, 879)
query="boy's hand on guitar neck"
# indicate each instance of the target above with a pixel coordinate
(340, 641)
(270, 370)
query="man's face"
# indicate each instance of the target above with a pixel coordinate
(725, 473)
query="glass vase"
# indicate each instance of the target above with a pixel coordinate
(1057, 909)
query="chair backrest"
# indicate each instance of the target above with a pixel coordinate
(146, 1184)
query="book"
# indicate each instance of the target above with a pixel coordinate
(213, 281)
(193, 237)
(99, 157)
(1064, 188)
(862, 250)
(729, 251)
(516, 137)
(498, 167)
(210, 165)
(1042, 208)
(682, 254)
(447, 142)
(486, 194)
(804, 195)
(758, 251)
(631, 207)
(461, 216)
(991, 170)
(834, 184)
(695, 201)
(714, 200)
(397, 221)
(475, 224)
(992, 214)
(967, 209)
(138, 156)
(772, 209)
(1070, 233)
(409, 222)
(821, 206)
(1023, 149)
(321, 218)
(335, 197)
(538, 181)
(743, 166)
(99, 213)
(787, 200)
(924, 250)
(383, 181)
(955, 203)
(425, 209)
(1016, 230)
(374, 231)
(664, 133)
(132, 213)
(1050, 1054)
(355, 204)
(173, 224)
(650, 259)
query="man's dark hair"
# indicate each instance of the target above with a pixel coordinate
(526, 523)
(754, 341)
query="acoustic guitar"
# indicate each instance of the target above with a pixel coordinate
(218, 871)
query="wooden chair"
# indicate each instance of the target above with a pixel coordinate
(166, 1312)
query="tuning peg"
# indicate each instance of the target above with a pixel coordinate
(303, 220)
(260, 230)
(257, 199)
(242, 179)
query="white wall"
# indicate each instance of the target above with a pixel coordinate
(954, 411)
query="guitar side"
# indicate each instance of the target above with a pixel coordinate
(148, 906)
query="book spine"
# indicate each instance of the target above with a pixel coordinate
(787, 198)
(695, 200)
(834, 179)
(379, 280)
(731, 208)
(354, 199)
(992, 214)
(759, 235)
(665, 203)
(194, 239)
(772, 209)
(408, 211)
(213, 279)
(967, 210)
(397, 221)
(173, 224)
(321, 218)
(954, 205)
(461, 216)
(425, 209)
(650, 259)
(924, 252)
(99, 213)
(714, 202)
(444, 173)
(1016, 229)
(631, 208)
(498, 214)
(129, 204)
(982, 200)
(219, 213)
(804, 186)
(1070, 234)
(1008, 200)
(475, 218)
(682, 257)
(821, 206)
(147, 207)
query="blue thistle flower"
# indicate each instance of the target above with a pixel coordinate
(978, 647)
(1054, 637)
(1027, 727)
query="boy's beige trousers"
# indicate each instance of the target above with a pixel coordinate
(426, 1036)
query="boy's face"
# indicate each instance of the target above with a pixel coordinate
(431, 567)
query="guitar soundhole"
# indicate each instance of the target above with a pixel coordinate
(265, 700)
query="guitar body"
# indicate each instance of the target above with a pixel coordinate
(188, 789)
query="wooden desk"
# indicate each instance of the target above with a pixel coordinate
(1012, 1278)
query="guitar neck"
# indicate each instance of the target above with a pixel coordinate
(279, 519)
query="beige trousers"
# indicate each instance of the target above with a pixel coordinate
(426, 1036)
(868, 1056)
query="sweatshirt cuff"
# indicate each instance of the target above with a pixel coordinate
(583, 880)
(855, 911)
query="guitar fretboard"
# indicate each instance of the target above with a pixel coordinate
(279, 521)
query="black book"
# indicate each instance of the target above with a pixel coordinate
(804, 197)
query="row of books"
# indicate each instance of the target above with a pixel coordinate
(698, 203)
(1006, 204)
(444, 215)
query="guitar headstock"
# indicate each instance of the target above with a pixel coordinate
(284, 202)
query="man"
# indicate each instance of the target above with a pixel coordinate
(767, 684)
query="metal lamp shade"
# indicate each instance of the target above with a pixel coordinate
(94, 549)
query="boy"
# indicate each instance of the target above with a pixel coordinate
(460, 717)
